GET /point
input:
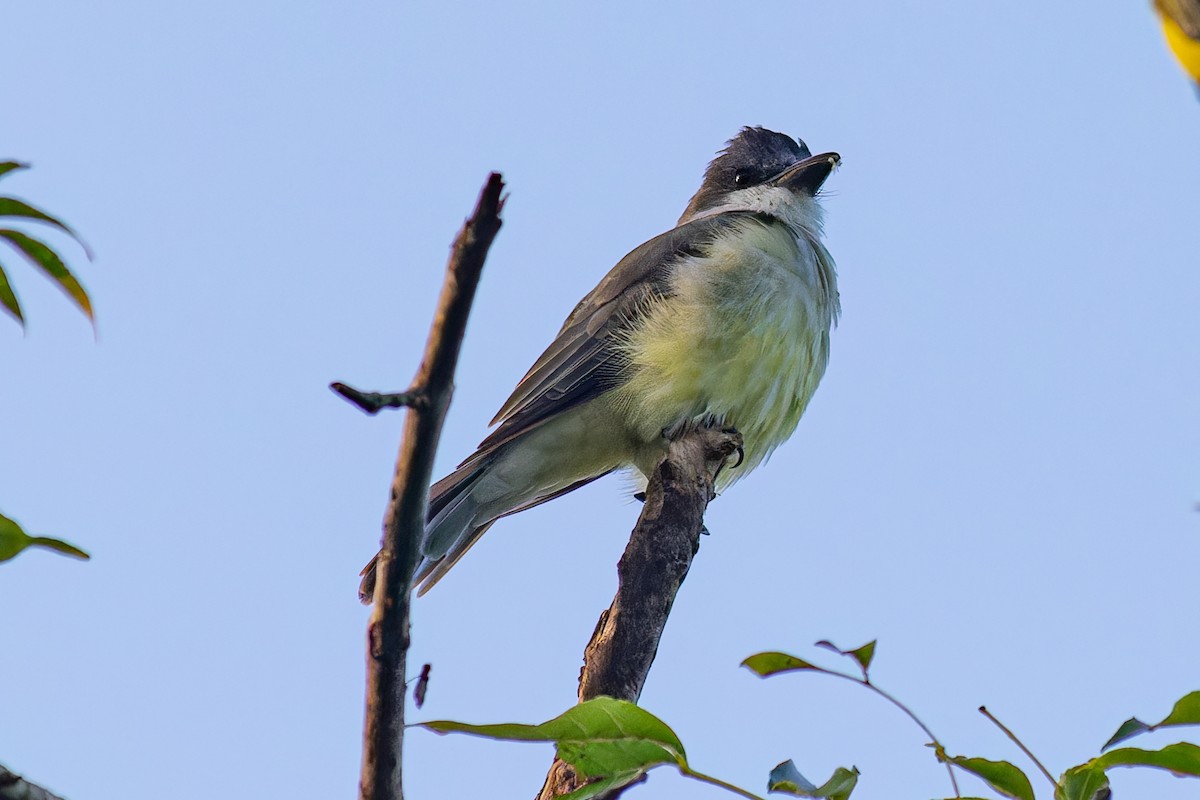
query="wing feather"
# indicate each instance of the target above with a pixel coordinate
(583, 361)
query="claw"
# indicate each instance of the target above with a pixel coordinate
(741, 451)
(741, 454)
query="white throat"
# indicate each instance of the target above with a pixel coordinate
(800, 212)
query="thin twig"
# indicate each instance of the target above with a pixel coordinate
(404, 520)
(933, 739)
(983, 710)
(622, 648)
(374, 402)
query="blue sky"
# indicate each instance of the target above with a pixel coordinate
(997, 478)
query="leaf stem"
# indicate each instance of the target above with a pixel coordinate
(983, 710)
(700, 776)
(933, 739)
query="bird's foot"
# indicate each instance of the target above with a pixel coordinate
(719, 447)
(676, 430)
(740, 450)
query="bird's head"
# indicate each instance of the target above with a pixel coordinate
(758, 169)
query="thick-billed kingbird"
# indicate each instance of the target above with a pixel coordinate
(722, 320)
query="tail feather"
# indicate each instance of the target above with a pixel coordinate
(434, 567)
(458, 517)
(450, 505)
(454, 517)
(433, 570)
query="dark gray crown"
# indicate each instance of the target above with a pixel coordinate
(749, 158)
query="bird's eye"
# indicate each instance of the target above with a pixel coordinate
(741, 177)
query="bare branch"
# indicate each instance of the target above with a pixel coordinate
(617, 659)
(404, 520)
(374, 402)
(14, 787)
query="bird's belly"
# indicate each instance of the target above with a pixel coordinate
(747, 346)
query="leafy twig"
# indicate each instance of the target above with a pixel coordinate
(983, 710)
(772, 663)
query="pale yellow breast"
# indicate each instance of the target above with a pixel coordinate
(744, 337)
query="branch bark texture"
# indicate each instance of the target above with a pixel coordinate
(404, 520)
(617, 659)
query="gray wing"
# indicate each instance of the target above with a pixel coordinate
(583, 362)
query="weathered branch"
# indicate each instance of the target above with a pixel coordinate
(617, 659)
(404, 520)
(14, 787)
(374, 402)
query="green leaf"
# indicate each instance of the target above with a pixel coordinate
(1181, 759)
(1004, 777)
(602, 756)
(840, 784)
(601, 738)
(1129, 728)
(8, 299)
(771, 663)
(13, 540)
(49, 262)
(786, 779)
(1185, 712)
(60, 546)
(9, 166)
(1083, 783)
(12, 207)
(862, 655)
(602, 786)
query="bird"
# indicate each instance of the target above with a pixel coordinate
(1181, 26)
(724, 320)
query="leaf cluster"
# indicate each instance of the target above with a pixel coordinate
(612, 744)
(1087, 781)
(41, 255)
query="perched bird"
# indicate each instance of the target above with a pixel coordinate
(722, 320)
(1181, 25)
